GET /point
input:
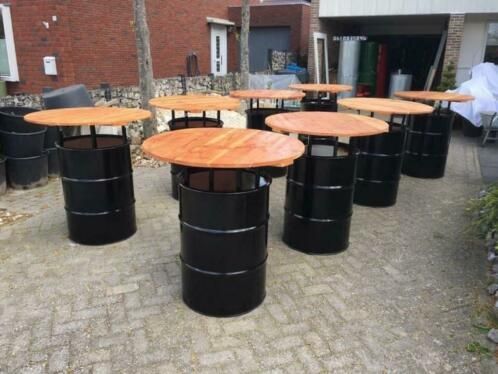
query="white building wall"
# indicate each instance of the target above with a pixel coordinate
(475, 34)
(358, 8)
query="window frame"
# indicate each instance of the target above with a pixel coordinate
(10, 44)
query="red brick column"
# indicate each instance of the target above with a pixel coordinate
(315, 26)
(454, 41)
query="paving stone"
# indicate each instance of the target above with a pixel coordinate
(400, 299)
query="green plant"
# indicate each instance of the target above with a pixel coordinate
(448, 78)
(485, 210)
(476, 347)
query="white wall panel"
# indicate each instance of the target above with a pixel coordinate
(351, 8)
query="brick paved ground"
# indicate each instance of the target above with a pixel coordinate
(399, 300)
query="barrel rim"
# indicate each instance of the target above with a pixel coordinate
(42, 131)
(43, 154)
(195, 118)
(3, 111)
(267, 179)
(119, 146)
(355, 154)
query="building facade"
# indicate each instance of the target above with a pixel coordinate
(471, 27)
(55, 43)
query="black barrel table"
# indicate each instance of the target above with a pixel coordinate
(429, 136)
(320, 184)
(320, 97)
(96, 172)
(256, 114)
(381, 156)
(188, 104)
(223, 212)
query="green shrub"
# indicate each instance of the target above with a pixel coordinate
(485, 211)
(448, 78)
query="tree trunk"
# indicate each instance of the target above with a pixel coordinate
(145, 72)
(244, 45)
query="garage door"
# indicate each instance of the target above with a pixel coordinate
(262, 39)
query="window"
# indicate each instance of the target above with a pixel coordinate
(8, 60)
(491, 53)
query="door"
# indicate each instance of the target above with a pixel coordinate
(261, 41)
(218, 49)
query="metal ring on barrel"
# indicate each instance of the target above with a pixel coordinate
(429, 136)
(323, 96)
(320, 184)
(96, 173)
(380, 156)
(224, 212)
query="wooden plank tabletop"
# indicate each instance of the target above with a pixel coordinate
(268, 94)
(224, 148)
(195, 103)
(327, 124)
(434, 96)
(321, 87)
(385, 106)
(87, 116)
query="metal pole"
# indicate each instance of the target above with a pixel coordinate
(211, 180)
(239, 180)
(61, 136)
(218, 117)
(123, 131)
(93, 134)
(204, 118)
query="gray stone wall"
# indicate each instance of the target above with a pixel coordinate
(130, 96)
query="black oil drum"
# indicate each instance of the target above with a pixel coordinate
(319, 200)
(379, 168)
(184, 123)
(23, 144)
(27, 172)
(12, 120)
(315, 105)
(3, 176)
(224, 232)
(427, 145)
(53, 162)
(256, 120)
(98, 189)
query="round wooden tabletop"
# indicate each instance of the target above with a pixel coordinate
(195, 103)
(87, 116)
(327, 124)
(268, 94)
(385, 106)
(434, 96)
(320, 87)
(224, 148)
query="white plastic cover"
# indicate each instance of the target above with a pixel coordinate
(484, 87)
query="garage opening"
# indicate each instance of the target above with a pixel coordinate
(261, 41)
(388, 47)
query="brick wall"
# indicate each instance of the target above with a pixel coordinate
(315, 26)
(455, 33)
(94, 40)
